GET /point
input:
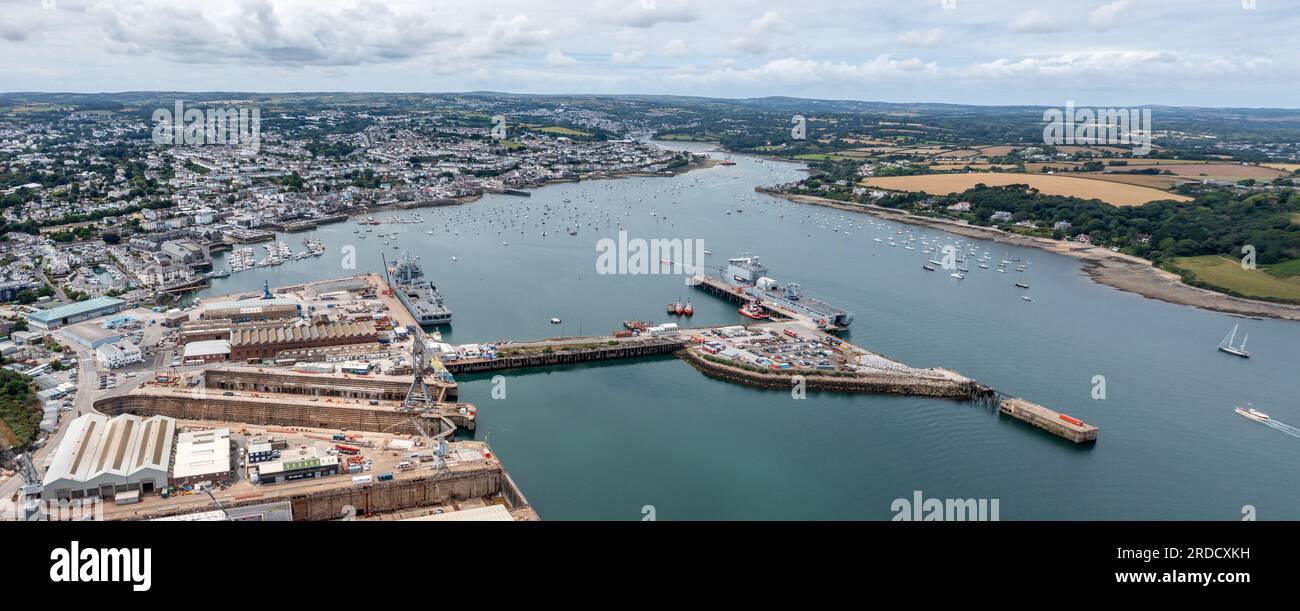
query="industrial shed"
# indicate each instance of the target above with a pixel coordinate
(101, 456)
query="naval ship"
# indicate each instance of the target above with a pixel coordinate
(750, 275)
(420, 297)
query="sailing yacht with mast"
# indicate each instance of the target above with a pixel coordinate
(1226, 344)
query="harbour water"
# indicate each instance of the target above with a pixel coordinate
(605, 441)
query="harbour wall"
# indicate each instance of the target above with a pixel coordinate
(898, 384)
(620, 350)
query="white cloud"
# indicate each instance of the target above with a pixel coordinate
(734, 48)
(761, 34)
(629, 57)
(557, 58)
(1034, 21)
(647, 13)
(803, 71)
(1120, 65)
(1108, 14)
(922, 38)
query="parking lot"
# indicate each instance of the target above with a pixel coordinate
(788, 348)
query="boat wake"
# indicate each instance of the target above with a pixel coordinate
(1285, 428)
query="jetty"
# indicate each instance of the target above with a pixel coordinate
(1049, 420)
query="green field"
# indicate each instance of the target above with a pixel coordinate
(1227, 274)
(684, 138)
(820, 157)
(563, 131)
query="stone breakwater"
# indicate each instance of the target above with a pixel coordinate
(943, 384)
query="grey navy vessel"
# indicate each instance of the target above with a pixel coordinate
(420, 297)
(751, 277)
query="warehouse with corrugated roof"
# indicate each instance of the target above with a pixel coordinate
(263, 342)
(102, 457)
(248, 310)
(53, 318)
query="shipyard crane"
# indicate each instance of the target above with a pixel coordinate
(417, 396)
(32, 486)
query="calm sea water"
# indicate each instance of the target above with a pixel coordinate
(605, 441)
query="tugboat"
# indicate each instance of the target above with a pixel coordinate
(754, 310)
(688, 310)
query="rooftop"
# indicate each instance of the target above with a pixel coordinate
(207, 348)
(75, 309)
(200, 453)
(95, 445)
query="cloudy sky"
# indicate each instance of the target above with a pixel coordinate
(1115, 52)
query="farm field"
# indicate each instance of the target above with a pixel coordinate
(1115, 193)
(1146, 161)
(563, 131)
(1227, 273)
(999, 150)
(1226, 171)
(1145, 180)
(973, 166)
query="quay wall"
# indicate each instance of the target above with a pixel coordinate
(567, 357)
(1048, 420)
(891, 384)
(399, 494)
(378, 497)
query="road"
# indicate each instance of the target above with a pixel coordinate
(87, 384)
(88, 391)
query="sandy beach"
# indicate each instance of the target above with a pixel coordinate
(1117, 270)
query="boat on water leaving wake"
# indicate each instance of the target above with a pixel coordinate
(1252, 413)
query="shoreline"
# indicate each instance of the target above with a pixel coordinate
(469, 199)
(1116, 270)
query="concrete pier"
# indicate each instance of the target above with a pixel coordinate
(1049, 420)
(568, 351)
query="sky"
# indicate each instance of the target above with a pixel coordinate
(1241, 53)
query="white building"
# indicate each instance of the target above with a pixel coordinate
(202, 455)
(101, 456)
(118, 354)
